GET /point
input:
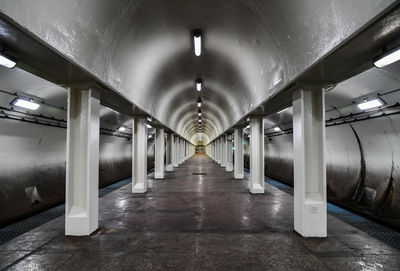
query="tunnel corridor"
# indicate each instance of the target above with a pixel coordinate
(200, 135)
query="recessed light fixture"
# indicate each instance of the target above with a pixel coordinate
(200, 120)
(277, 129)
(388, 59)
(121, 129)
(7, 61)
(198, 84)
(27, 104)
(149, 126)
(150, 136)
(199, 102)
(247, 127)
(370, 104)
(197, 42)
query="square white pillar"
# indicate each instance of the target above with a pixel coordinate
(310, 218)
(159, 154)
(219, 151)
(224, 151)
(239, 161)
(174, 150)
(169, 153)
(82, 162)
(257, 155)
(139, 155)
(229, 154)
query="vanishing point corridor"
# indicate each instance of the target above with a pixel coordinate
(197, 218)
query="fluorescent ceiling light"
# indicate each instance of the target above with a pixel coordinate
(198, 85)
(197, 43)
(26, 104)
(149, 126)
(370, 104)
(7, 61)
(121, 129)
(198, 104)
(388, 59)
(277, 129)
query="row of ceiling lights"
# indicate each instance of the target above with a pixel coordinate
(197, 41)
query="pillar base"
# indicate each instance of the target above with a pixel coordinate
(169, 168)
(229, 167)
(158, 176)
(257, 189)
(175, 165)
(80, 225)
(139, 189)
(239, 176)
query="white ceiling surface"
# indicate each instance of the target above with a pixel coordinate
(142, 49)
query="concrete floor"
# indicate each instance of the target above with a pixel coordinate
(191, 222)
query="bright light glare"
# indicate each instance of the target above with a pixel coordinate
(199, 104)
(277, 129)
(6, 61)
(199, 114)
(149, 136)
(149, 126)
(370, 104)
(198, 86)
(26, 104)
(197, 45)
(388, 59)
(121, 129)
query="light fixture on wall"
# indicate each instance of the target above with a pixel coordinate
(197, 42)
(199, 84)
(388, 58)
(7, 61)
(365, 105)
(199, 102)
(27, 104)
(121, 129)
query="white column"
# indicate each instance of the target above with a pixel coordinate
(179, 149)
(169, 153)
(219, 153)
(82, 167)
(175, 150)
(159, 154)
(229, 154)
(139, 155)
(257, 156)
(223, 149)
(310, 219)
(239, 162)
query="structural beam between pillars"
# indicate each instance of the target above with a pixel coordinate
(310, 218)
(139, 155)
(82, 162)
(257, 156)
(159, 154)
(239, 161)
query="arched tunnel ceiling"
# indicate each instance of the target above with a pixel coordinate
(252, 49)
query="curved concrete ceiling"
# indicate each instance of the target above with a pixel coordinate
(143, 49)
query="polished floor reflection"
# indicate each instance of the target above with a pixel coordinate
(197, 218)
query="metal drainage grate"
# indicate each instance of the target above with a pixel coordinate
(199, 173)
